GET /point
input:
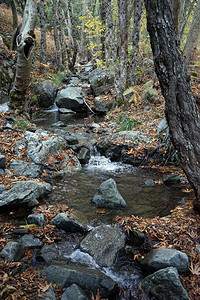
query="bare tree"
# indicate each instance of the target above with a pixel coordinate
(14, 14)
(25, 42)
(180, 106)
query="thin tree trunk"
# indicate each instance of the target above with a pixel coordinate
(103, 23)
(122, 21)
(180, 106)
(193, 36)
(178, 7)
(55, 30)
(43, 46)
(25, 42)
(135, 40)
(14, 14)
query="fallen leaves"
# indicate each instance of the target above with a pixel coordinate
(181, 231)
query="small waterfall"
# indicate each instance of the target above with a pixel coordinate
(102, 164)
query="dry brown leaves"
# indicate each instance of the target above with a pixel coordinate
(181, 231)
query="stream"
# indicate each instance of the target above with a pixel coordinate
(142, 200)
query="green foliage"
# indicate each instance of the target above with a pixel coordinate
(56, 78)
(127, 123)
(23, 125)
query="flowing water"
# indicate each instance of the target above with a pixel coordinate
(78, 189)
(147, 201)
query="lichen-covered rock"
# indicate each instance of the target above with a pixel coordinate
(102, 106)
(74, 292)
(89, 280)
(108, 195)
(27, 169)
(103, 243)
(101, 81)
(71, 98)
(68, 222)
(24, 193)
(163, 257)
(13, 251)
(46, 93)
(36, 219)
(165, 285)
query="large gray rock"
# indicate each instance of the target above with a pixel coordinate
(108, 195)
(162, 257)
(13, 251)
(165, 285)
(102, 106)
(68, 222)
(44, 149)
(89, 280)
(46, 93)
(74, 292)
(27, 169)
(115, 146)
(71, 98)
(103, 243)
(24, 193)
(101, 81)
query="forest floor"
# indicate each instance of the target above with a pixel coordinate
(179, 230)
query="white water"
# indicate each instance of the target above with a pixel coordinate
(99, 163)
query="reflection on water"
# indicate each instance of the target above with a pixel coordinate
(78, 190)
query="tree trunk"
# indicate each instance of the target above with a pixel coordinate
(135, 40)
(178, 8)
(55, 31)
(25, 42)
(103, 23)
(180, 106)
(193, 36)
(74, 47)
(122, 21)
(14, 14)
(43, 33)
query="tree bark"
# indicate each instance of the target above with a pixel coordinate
(180, 106)
(14, 14)
(103, 23)
(135, 40)
(43, 33)
(55, 31)
(25, 42)
(122, 20)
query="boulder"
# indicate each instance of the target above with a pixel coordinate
(162, 257)
(68, 222)
(71, 98)
(47, 150)
(24, 193)
(101, 106)
(165, 285)
(46, 93)
(27, 169)
(74, 292)
(13, 251)
(89, 280)
(108, 195)
(115, 146)
(48, 254)
(101, 81)
(103, 244)
(83, 155)
(36, 219)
